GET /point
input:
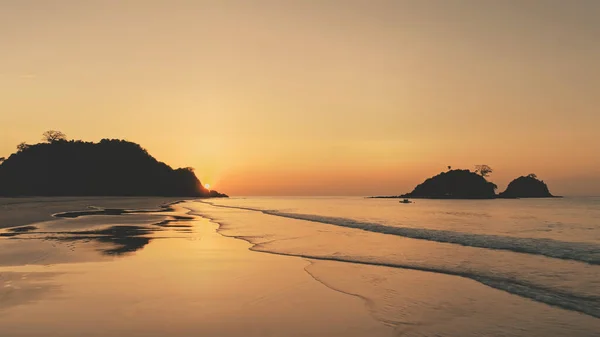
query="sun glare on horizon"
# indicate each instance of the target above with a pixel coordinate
(207, 186)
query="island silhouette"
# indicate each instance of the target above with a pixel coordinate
(528, 186)
(111, 167)
(467, 184)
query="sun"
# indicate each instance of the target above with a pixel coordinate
(207, 186)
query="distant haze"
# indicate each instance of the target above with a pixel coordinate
(314, 97)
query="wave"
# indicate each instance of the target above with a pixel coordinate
(589, 305)
(577, 251)
(586, 305)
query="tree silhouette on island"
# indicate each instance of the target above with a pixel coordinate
(111, 167)
(466, 184)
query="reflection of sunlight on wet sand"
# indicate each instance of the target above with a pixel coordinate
(20, 288)
(199, 283)
(80, 238)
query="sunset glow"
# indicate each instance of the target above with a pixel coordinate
(314, 97)
(251, 168)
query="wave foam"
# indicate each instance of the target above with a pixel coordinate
(577, 251)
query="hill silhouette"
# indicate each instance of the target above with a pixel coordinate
(110, 167)
(454, 184)
(526, 187)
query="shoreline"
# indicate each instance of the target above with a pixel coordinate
(265, 230)
(189, 274)
(196, 266)
(311, 261)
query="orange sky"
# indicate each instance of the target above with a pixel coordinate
(314, 97)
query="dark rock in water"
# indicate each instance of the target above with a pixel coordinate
(455, 184)
(526, 187)
(111, 167)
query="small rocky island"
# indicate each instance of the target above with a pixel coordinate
(454, 184)
(111, 167)
(466, 184)
(526, 187)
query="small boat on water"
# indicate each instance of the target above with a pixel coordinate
(405, 201)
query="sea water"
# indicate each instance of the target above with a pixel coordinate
(517, 267)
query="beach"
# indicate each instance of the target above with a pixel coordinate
(186, 281)
(258, 267)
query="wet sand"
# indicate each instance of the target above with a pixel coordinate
(158, 274)
(22, 211)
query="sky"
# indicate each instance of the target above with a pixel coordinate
(331, 97)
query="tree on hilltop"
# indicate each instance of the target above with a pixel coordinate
(483, 170)
(52, 136)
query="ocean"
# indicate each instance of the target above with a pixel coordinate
(542, 251)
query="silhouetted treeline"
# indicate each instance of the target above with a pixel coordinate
(111, 167)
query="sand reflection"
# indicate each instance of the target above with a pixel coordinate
(19, 288)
